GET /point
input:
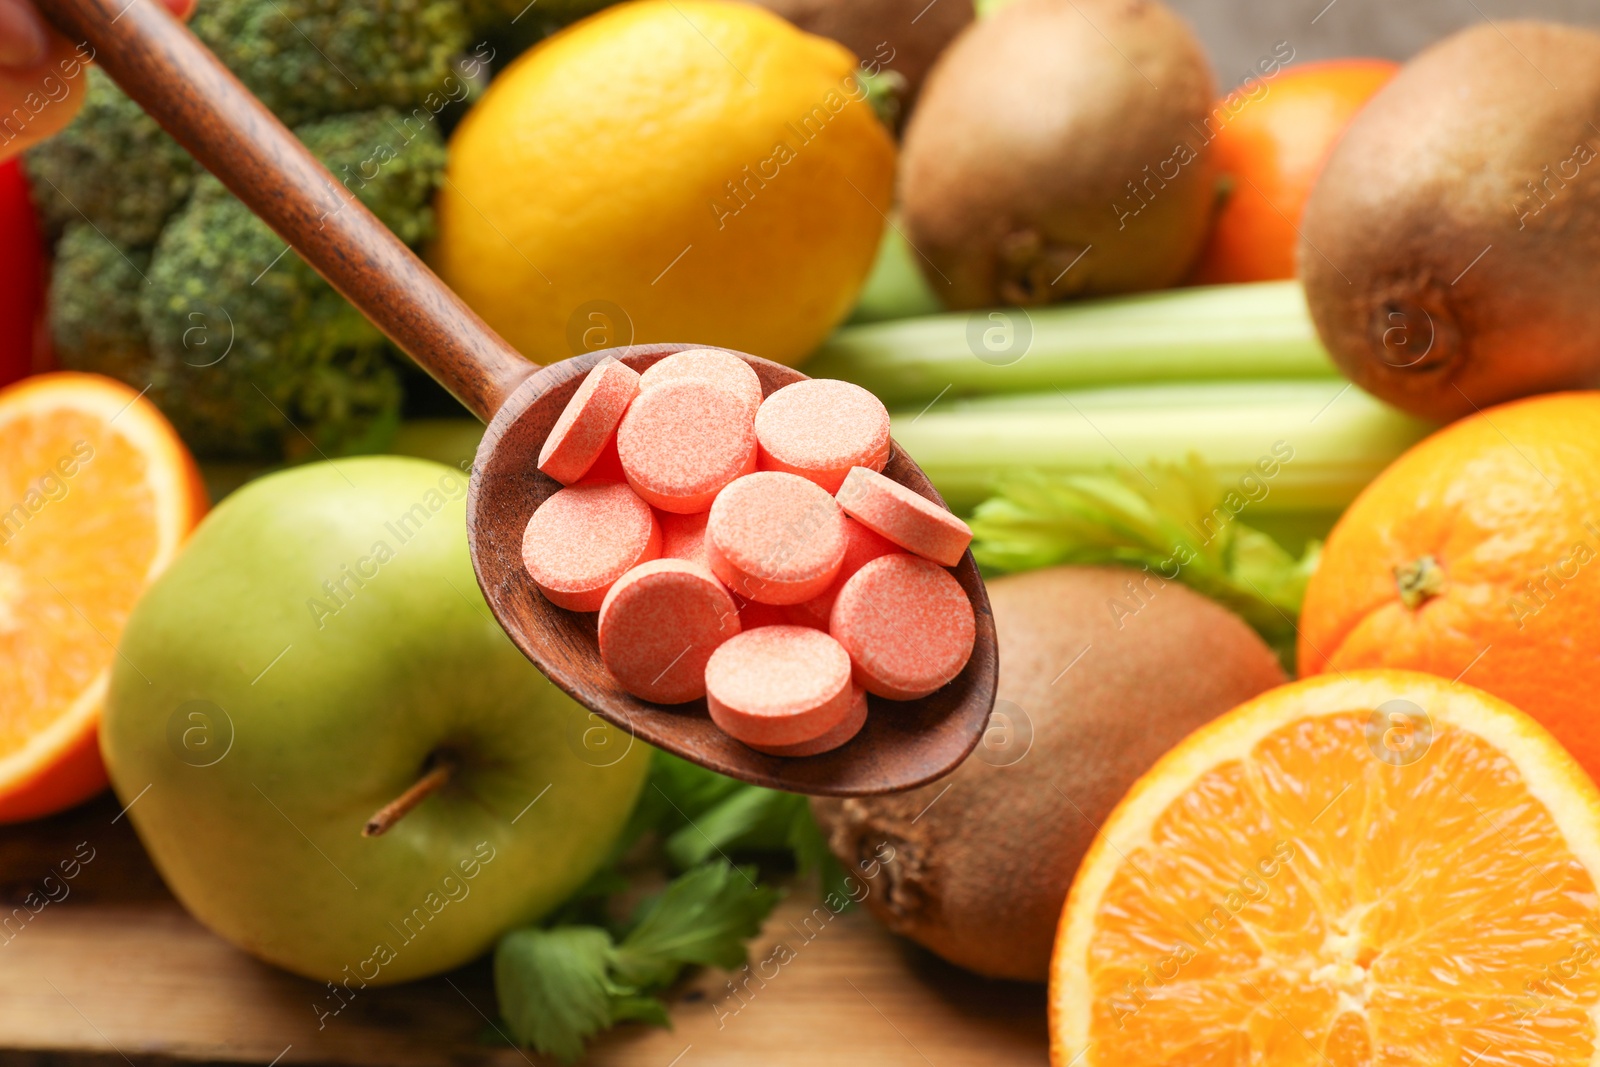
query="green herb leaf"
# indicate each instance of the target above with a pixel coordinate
(752, 819)
(703, 917)
(757, 820)
(1176, 523)
(559, 986)
(583, 972)
(676, 793)
(553, 987)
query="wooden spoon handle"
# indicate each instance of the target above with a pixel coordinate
(165, 68)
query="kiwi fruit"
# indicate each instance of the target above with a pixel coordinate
(1451, 247)
(900, 36)
(1102, 670)
(1060, 148)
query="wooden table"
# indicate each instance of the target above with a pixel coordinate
(117, 974)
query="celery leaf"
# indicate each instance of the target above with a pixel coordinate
(1174, 522)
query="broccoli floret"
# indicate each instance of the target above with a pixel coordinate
(303, 368)
(112, 165)
(94, 307)
(309, 58)
(164, 280)
(551, 12)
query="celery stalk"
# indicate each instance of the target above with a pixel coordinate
(1219, 332)
(895, 289)
(1323, 439)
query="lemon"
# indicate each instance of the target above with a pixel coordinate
(667, 170)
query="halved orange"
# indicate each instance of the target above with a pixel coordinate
(97, 494)
(1378, 867)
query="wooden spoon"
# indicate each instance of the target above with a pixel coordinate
(165, 68)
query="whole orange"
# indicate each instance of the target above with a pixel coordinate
(1476, 555)
(1271, 143)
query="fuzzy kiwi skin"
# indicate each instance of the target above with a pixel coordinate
(1439, 170)
(1059, 129)
(982, 859)
(904, 36)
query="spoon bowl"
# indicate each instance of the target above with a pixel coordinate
(904, 744)
(176, 79)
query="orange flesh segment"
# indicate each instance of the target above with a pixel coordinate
(1309, 904)
(73, 569)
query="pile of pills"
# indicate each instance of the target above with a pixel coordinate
(747, 549)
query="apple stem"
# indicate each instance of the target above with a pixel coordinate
(385, 818)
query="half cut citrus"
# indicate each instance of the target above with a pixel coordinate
(1379, 867)
(97, 494)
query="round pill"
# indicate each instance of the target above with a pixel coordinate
(907, 625)
(684, 536)
(848, 727)
(778, 685)
(586, 424)
(682, 441)
(584, 538)
(775, 537)
(861, 546)
(820, 428)
(708, 365)
(659, 625)
(913, 522)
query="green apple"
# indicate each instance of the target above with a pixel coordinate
(319, 646)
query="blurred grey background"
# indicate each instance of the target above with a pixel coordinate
(1239, 32)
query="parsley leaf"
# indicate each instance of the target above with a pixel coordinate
(553, 987)
(702, 918)
(559, 986)
(584, 971)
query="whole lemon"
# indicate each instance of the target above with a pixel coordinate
(667, 170)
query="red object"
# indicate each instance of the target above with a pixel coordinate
(658, 626)
(907, 625)
(1271, 149)
(821, 428)
(779, 685)
(585, 537)
(916, 524)
(21, 274)
(683, 440)
(588, 422)
(775, 537)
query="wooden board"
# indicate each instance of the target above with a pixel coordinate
(116, 973)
